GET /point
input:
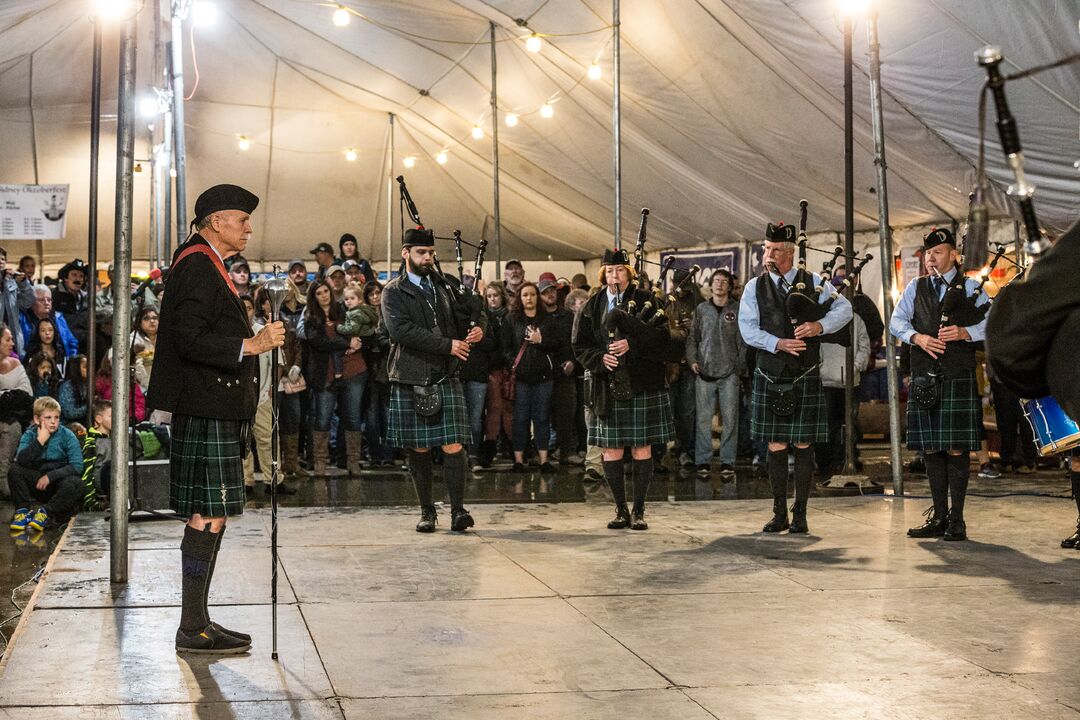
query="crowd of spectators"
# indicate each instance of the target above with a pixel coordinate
(523, 387)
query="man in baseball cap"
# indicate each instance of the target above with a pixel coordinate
(324, 256)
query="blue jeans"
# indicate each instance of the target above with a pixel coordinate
(289, 413)
(532, 405)
(683, 407)
(346, 398)
(475, 400)
(724, 392)
(378, 407)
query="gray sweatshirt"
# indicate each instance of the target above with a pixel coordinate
(715, 342)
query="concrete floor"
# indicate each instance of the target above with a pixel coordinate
(543, 613)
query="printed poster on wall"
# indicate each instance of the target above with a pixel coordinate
(727, 258)
(33, 212)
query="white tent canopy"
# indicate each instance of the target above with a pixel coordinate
(732, 111)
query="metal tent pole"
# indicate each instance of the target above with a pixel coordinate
(495, 156)
(125, 156)
(91, 227)
(390, 203)
(179, 13)
(886, 249)
(616, 118)
(849, 247)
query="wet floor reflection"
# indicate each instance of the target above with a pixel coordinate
(21, 558)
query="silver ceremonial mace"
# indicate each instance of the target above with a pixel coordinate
(277, 288)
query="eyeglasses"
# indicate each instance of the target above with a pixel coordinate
(151, 318)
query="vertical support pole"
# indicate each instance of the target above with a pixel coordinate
(166, 185)
(888, 267)
(125, 157)
(91, 225)
(495, 156)
(179, 12)
(390, 204)
(616, 119)
(849, 247)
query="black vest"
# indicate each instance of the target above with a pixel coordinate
(958, 360)
(774, 319)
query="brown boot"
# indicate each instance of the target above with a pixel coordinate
(352, 452)
(290, 455)
(320, 453)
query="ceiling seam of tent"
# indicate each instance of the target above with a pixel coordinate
(971, 31)
(375, 216)
(52, 37)
(450, 69)
(531, 15)
(29, 17)
(896, 173)
(482, 208)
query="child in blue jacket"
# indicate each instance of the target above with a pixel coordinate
(47, 471)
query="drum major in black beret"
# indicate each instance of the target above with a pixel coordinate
(937, 236)
(418, 236)
(224, 197)
(615, 256)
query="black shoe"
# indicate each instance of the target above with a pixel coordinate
(236, 634)
(546, 468)
(622, 519)
(428, 520)
(210, 641)
(918, 465)
(249, 490)
(933, 527)
(703, 470)
(637, 520)
(779, 520)
(957, 529)
(798, 520)
(518, 468)
(659, 468)
(461, 520)
(1073, 541)
(592, 474)
(282, 489)
(727, 470)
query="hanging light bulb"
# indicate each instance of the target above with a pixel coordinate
(350, 155)
(111, 9)
(442, 157)
(243, 143)
(594, 72)
(172, 172)
(203, 13)
(547, 110)
(341, 16)
(477, 132)
(533, 43)
(408, 161)
(148, 106)
(511, 119)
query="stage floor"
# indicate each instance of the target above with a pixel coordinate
(543, 613)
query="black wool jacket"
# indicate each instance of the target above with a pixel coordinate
(197, 369)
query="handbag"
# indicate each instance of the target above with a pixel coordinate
(427, 399)
(926, 390)
(509, 381)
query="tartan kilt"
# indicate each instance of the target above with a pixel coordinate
(644, 419)
(808, 424)
(206, 467)
(955, 423)
(409, 430)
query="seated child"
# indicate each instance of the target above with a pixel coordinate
(47, 470)
(96, 451)
(360, 321)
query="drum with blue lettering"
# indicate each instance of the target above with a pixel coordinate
(1054, 431)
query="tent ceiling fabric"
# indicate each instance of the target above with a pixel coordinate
(732, 111)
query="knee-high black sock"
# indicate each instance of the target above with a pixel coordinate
(959, 472)
(804, 475)
(937, 474)
(642, 471)
(1075, 477)
(454, 477)
(613, 473)
(218, 537)
(776, 463)
(420, 469)
(196, 555)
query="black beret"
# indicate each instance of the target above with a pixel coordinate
(75, 264)
(418, 236)
(615, 256)
(938, 236)
(780, 233)
(224, 197)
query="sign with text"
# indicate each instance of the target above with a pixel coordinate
(33, 212)
(727, 258)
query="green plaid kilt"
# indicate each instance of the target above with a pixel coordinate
(406, 429)
(808, 424)
(206, 467)
(955, 423)
(644, 419)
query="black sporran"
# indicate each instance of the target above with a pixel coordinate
(619, 385)
(782, 399)
(427, 399)
(926, 390)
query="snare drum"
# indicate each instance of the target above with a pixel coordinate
(1054, 431)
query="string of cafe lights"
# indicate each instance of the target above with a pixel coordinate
(204, 13)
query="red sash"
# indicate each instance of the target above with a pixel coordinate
(214, 258)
